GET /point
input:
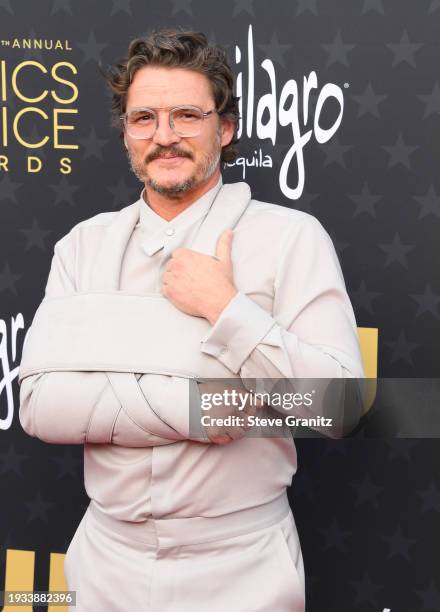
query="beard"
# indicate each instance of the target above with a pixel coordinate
(204, 169)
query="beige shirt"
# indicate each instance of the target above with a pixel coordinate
(291, 318)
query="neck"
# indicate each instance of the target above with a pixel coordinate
(169, 207)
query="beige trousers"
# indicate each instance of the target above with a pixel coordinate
(247, 561)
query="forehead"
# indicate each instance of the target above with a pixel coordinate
(161, 86)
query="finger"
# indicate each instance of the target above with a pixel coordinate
(179, 252)
(248, 424)
(250, 408)
(167, 277)
(223, 439)
(224, 246)
(235, 433)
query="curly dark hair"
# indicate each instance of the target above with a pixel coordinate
(183, 49)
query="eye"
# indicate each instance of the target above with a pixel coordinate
(141, 117)
(186, 115)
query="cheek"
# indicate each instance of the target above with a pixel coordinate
(203, 145)
(139, 149)
(204, 148)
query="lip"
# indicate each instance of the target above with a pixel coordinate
(168, 161)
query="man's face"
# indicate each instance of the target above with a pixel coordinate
(167, 163)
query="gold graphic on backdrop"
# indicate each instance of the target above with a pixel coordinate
(55, 123)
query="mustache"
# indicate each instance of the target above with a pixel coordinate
(167, 152)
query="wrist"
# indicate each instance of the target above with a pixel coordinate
(216, 309)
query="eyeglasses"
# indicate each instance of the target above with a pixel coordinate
(185, 121)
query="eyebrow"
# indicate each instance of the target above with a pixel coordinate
(134, 108)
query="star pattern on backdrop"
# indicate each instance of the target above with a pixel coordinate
(69, 464)
(402, 348)
(337, 51)
(122, 193)
(373, 5)
(430, 597)
(11, 461)
(91, 49)
(243, 6)
(306, 200)
(369, 102)
(61, 6)
(8, 279)
(182, 6)
(340, 245)
(275, 50)
(366, 590)
(38, 508)
(396, 251)
(335, 537)
(431, 101)
(404, 50)
(306, 6)
(64, 192)
(33, 53)
(121, 6)
(8, 188)
(6, 5)
(35, 137)
(434, 6)
(367, 492)
(398, 544)
(92, 145)
(427, 301)
(363, 298)
(400, 152)
(430, 496)
(365, 201)
(334, 152)
(429, 203)
(35, 236)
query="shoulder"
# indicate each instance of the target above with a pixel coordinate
(99, 220)
(269, 210)
(94, 225)
(282, 222)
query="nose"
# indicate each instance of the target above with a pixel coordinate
(164, 135)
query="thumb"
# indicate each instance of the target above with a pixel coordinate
(224, 246)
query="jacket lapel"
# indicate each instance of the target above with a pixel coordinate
(107, 268)
(227, 208)
(225, 212)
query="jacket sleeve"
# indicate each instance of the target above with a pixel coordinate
(311, 332)
(77, 407)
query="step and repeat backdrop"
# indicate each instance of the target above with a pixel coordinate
(340, 104)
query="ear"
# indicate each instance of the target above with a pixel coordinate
(227, 127)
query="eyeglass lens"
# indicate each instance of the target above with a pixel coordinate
(184, 121)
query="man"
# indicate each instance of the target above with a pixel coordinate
(195, 280)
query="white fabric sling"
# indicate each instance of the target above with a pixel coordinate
(101, 328)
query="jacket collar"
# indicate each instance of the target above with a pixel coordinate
(157, 231)
(227, 207)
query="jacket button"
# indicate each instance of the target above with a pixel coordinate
(170, 231)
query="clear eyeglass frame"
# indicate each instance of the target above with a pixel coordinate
(194, 130)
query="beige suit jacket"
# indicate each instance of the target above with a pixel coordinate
(108, 362)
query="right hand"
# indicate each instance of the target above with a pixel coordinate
(224, 434)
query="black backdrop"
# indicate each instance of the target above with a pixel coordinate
(367, 510)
